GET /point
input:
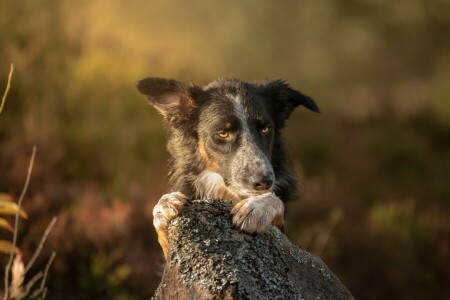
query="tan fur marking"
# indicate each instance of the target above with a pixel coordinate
(164, 211)
(225, 193)
(210, 165)
(216, 189)
(163, 241)
(210, 184)
(279, 222)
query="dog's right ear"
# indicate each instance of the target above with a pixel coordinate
(172, 98)
(285, 99)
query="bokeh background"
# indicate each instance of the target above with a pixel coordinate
(373, 167)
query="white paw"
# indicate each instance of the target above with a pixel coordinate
(167, 208)
(255, 214)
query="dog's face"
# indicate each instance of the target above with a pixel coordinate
(234, 123)
(235, 132)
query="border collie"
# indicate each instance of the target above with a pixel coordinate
(225, 142)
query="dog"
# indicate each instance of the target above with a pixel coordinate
(225, 142)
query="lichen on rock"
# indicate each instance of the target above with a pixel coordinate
(209, 259)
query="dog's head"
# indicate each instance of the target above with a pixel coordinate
(235, 125)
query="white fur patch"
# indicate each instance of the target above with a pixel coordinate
(240, 113)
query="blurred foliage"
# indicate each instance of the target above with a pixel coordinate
(373, 167)
(8, 208)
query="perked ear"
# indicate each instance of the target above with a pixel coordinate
(285, 99)
(172, 98)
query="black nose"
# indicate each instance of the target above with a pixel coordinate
(264, 184)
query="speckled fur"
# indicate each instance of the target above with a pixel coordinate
(205, 165)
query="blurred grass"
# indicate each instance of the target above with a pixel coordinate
(378, 153)
(8, 85)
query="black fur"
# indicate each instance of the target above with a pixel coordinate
(197, 114)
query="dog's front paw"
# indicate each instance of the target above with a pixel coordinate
(167, 208)
(255, 214)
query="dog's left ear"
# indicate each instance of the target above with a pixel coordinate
(284, 99)
(174, 99)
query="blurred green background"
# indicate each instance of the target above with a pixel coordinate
(373, 167)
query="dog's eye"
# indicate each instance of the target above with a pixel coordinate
(223, 134)
(265, 129)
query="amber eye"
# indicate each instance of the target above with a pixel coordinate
(265, 129)
(223, 134)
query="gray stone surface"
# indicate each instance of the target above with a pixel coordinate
(209, 259)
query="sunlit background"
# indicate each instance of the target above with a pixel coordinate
(373, 167)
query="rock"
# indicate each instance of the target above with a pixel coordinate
(209, 259)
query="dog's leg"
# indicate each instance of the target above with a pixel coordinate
(210, 184)
(255, 214)
(167, 209)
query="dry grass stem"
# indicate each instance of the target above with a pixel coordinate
(8, 85)
(42, 289)
(32, 281)
(41, 244)
(16, 224)
(47, 267)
